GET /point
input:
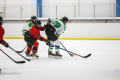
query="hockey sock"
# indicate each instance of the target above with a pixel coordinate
(57, 43)
(35, 47)
(28, 50)
(51, 47)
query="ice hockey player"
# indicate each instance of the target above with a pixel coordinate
(2, 32)
(54, 28)
(28, 24)
(31, 38)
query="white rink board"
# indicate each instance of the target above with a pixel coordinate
(73, 30)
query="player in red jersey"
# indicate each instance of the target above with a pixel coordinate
(32, 36)
(2, 32)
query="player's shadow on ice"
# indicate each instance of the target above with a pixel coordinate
(42, 59)
(4, 72)
(9, 73)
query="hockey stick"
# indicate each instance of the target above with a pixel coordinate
(22, 50)
(73, 52)
(33, 58)
(66, 49)
(13, 59)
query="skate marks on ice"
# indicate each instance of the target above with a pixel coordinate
(9, 73)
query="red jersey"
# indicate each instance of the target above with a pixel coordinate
(35, 33)
(2, 31)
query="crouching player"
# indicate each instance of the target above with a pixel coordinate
(31, 38)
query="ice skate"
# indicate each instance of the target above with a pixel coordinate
(32, 55)
(28, 55)
(51, 54)
(35, 55)
(58, 55)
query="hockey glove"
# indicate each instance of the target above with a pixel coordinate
(27, 34)
(6, 45)
(46, 26)
(47, 42)
(49, 20)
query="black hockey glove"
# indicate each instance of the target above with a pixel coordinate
(6, 45)
(46, 26)
(49, 20)
(47, 42)
(50, 27)
(27, 34)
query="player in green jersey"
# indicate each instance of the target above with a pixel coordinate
(28, 24)
(54, 28)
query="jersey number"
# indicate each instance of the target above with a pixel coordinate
(56, 24)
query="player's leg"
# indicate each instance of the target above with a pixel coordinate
(35, 48)
(29, 48)
(49, 34)
(57, 54)
(30, 41)
(50, 53)
(54, 38)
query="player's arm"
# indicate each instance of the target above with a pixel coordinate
(50, 27)
(42, 28)
(51, 20)
(2, 41)
(25, 28)
(61, 31)
(43, 39)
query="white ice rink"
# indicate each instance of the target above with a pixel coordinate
(104, 63)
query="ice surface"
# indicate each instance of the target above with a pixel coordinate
(104, 63)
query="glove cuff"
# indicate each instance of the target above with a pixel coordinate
(2, 42)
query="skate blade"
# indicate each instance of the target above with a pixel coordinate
(37, 57)
(50, 56)
(57, 57)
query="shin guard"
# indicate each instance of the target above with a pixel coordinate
(35, 47)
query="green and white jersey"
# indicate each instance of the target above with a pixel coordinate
(58, 25)
(27, 27)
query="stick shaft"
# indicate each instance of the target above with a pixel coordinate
(12, 58)
(66, 49)
(19, 54)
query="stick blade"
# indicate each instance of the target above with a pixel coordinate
(20, 62)
(71, 55)
(87, 56)
(33, 58)
(19, 51)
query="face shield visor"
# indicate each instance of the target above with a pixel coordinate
(38, 26)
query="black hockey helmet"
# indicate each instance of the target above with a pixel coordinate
(33, 17)
(65, 19)
(1, 20)
(37, 22)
